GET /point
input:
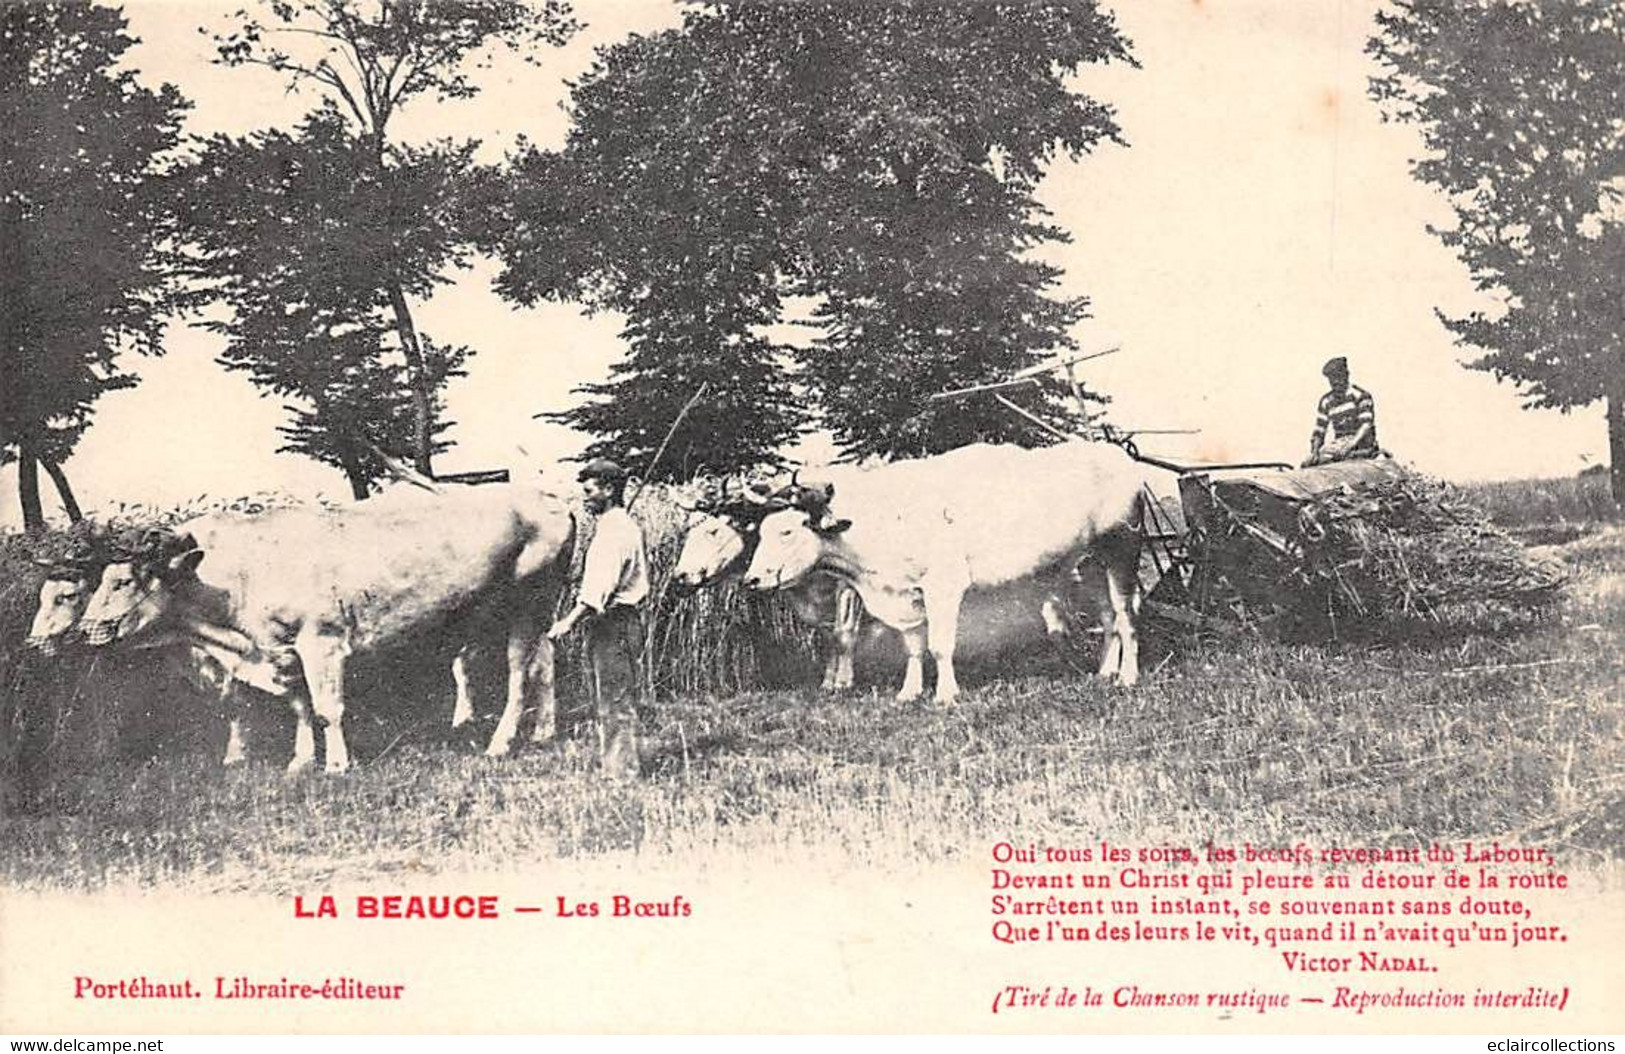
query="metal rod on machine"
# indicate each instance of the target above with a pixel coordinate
(1171, 466)
(1222, 466)
(1022, 382)
(1024, 377)
(1039, 421)
(1045, 367)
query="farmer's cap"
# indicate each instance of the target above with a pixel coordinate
(602, 469)
(1338, 367)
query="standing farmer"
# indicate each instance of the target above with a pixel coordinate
(614, 583)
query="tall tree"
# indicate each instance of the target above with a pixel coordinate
(371, 58)
(284, 228)
(1520, 105)
(928, 280)
(84, 221)
(660, 207)
(933, 125)
(882, 158)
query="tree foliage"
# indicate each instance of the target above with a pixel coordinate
(369, 59)
(881, 159)
(934, 124)
(85, 208)
(1522, 109)
(650, 211)
(284, 229)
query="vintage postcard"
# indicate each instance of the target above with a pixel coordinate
(628, 516)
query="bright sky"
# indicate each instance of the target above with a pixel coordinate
(1262, 220)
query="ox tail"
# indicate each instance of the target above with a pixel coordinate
(1120, 550)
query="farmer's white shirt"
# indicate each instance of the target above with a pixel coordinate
(617, 568)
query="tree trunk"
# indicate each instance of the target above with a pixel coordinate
(13, 375)
(360, 486)
(422, 413)
(69, 504)
(422, 436)
(1616, 447)
(28, 488)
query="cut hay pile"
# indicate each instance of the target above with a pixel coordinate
(1413, 548)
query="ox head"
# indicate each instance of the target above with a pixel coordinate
(713, 546)
(137, 587)
(62, 598)
(721, 530)
(791, 542)
(722, 537)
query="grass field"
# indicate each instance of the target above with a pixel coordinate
(1546, 510)
(1516, 736)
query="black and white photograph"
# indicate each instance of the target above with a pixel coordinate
(808, 516)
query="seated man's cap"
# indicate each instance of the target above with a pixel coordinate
(601, 468)
(1337, 366)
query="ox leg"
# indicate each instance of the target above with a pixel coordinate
(323, 660)
(462, 711)
(1054, 620)
(1093, 578)
(542, 689)
(1123, 586)
(304, 737)
(914, 672)
(521, 644)
(942, 601)
(231, 705)
(839, 644)
(1111, 645)
(235, 754)
(838, 669)
(1119, 602)
(848, 620)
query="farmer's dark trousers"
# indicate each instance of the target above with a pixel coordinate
(614, 645)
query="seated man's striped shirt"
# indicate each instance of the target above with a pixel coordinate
(1346, 411)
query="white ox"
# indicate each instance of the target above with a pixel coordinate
(917, 535)
(717, 546)
(299, 590)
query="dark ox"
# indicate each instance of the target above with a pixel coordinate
(297, 591)
(914, 536)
